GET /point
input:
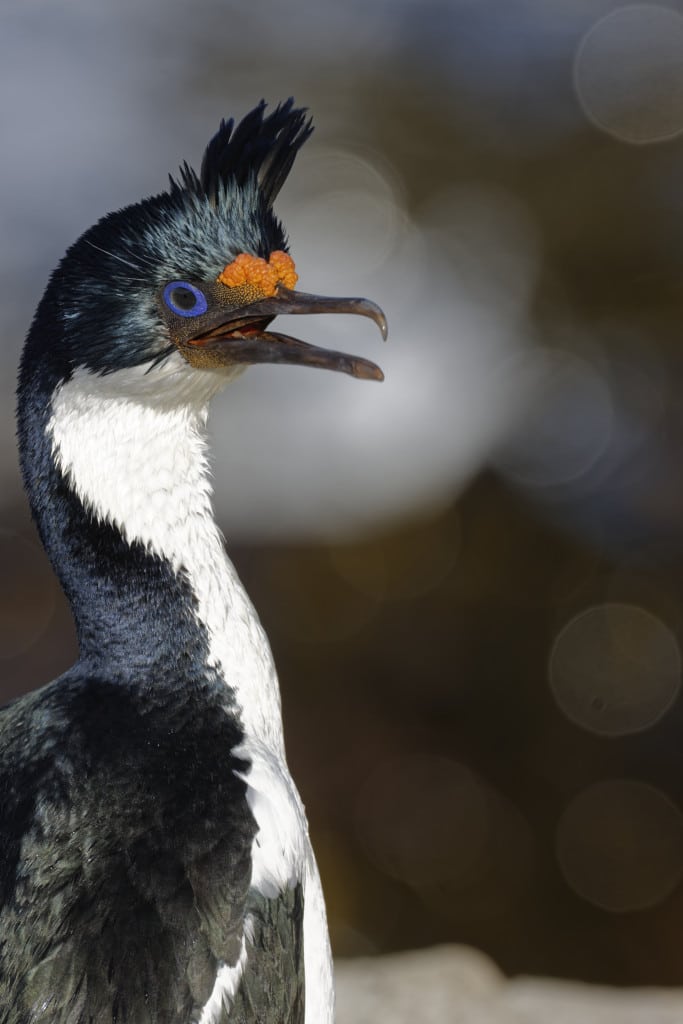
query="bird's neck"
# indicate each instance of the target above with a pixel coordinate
(130, 530)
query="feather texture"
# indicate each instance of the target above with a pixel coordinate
(260, 147)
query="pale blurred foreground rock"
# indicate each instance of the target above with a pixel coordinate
(458, 985)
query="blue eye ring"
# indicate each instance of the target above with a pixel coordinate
(181, 302)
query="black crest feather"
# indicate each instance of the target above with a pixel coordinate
(262, 147)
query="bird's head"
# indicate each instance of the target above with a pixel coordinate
(189, 280)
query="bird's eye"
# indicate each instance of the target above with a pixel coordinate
(184, 299)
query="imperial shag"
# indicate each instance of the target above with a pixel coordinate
(155, 866)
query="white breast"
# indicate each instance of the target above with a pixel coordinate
(135, 453)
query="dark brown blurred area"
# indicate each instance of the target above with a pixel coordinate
(482, 703)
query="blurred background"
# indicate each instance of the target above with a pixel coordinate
(472, 574)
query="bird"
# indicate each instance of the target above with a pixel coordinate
(155, 862)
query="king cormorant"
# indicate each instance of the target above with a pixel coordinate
(155, 865)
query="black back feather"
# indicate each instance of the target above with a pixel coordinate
(260, 147)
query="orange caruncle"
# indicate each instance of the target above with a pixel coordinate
(283, 263)
(261, 275)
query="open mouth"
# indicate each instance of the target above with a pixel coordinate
(232, 329)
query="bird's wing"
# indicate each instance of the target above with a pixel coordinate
(269, 987)
(124, 867)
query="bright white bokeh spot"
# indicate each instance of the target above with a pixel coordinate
(615, 669)
(310, 454)
(619, 845)
(628, 73)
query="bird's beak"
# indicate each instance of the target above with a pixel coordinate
(237, 334)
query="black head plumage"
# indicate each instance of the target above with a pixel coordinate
(111, 276)
(106, 307)
(261, 148)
